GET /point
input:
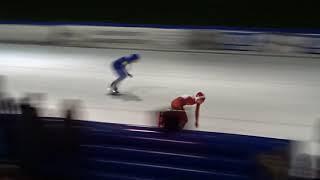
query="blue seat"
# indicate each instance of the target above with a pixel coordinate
(226, 165)
(197, 147)
(143, 170)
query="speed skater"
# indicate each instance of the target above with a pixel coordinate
(178, 112)
(119, 66)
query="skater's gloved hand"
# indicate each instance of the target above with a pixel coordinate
(130, 75)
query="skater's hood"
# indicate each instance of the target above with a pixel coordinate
(132, 57)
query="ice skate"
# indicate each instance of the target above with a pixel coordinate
(113, 91)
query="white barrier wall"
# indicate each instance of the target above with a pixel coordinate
(163, 39)
(119, 37)
(23, 33)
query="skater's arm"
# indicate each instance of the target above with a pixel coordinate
(126, 71)
(197, 115)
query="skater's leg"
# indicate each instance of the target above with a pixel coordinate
(122, 75)
(114, 84)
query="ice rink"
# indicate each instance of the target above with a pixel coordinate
(246, 94)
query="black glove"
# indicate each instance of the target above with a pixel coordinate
(130, 75)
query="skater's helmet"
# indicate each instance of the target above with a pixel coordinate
(133, 57)
(200, 97)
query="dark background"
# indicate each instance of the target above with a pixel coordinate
(196, 13)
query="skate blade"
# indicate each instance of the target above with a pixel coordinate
(112, 92)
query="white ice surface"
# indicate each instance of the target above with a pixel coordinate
(246, 94)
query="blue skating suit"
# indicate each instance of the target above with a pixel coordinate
(119, 66)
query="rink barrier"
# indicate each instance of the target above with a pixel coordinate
(118, 151)
(166, 38)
